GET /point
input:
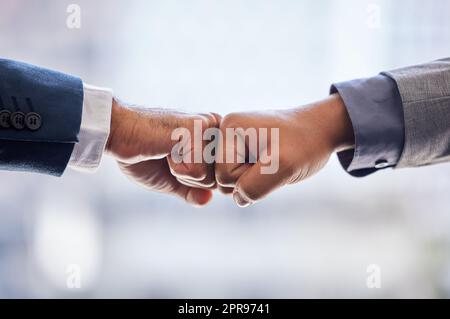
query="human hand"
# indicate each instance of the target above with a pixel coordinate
(140, 140)
(307, 137)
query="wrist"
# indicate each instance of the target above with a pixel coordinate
(344, 135)
(336, 124)
(118, 114)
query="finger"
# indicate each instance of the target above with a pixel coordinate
(225, 190)
(217, 119)
(196, 184)
(194, 196)
(200, 175)
(230, 160)
(213, 119)
(190, 164)
(252, 185)
(227, 174)
(155, 175)
(208, 164)
(191, 171)
(168, 130)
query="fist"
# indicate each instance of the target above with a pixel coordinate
(141, 140)
(262, 151)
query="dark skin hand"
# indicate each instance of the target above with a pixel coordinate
(307, 137)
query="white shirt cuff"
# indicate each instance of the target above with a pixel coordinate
(94, 130)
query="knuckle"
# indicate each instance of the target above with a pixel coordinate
(230, 120)
(197, 184)
(226, 190)
(174, 169)
(197, 172)
(209, 120)
(248, 193)
(208, 183)
(194, 172)
(224, 178)
(187, 183)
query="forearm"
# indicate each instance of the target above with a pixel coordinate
(334, 119)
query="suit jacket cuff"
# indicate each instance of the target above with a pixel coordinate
(94, 130)
(45, 143)
(375, 109)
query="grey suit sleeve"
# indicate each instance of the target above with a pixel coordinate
(375, 109)
(425, 94)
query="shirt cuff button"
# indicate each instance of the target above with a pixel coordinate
(381, 164)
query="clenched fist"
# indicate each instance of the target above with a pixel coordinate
(141, 142)
(290, 145)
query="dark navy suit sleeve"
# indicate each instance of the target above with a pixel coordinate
(376, 112)
(40, 117)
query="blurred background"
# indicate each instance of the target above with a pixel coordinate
(314, 239)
